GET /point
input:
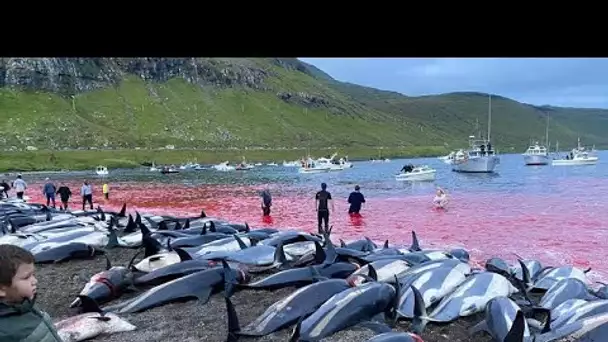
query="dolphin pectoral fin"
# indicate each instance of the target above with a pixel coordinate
(481, 326)
(203, 295)
(376, 327)
(295, 335)
(315, 275)
(420, 319)
(516, 334)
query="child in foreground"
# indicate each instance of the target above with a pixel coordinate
(20, 319)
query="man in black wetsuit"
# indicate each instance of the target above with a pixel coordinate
(5, 188)
(266, 202)
(64, 194)
(322, 199)
(356, 199)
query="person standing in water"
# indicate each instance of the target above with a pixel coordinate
(20, 186)
(64, 195)
(87, 194)
(356, 200)
(323, 199)
(441, 198)
(106, 191)
(266, 202)
(49, 192)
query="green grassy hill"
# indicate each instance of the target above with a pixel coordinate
(220, 103)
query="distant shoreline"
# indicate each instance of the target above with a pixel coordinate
(48, 161)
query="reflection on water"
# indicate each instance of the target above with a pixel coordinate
(556, 214)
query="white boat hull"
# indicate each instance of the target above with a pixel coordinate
(570, 162)
(420, 176)
(536, 159)
(314, 170)
(485, 164)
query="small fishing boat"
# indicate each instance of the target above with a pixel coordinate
(101, 170)
(418, 173)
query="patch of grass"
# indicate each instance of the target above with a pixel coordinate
(85, 160)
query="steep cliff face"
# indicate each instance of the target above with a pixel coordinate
(69, 76)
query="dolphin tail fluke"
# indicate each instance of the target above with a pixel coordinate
(319, 254)
(137, 218)
(229, 280)
(525, 285)
(516, 334)
(123, 210)
(233, 322)
(89, 304)
(132, 261)
(420, 319)
(371, 272)
(113, 238)
(393, 314)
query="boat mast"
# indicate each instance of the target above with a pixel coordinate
(547, 131)
(489, 115)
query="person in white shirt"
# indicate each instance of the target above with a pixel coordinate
(87, 194)
(20, 186)
(441, 199)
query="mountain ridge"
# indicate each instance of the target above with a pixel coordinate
(58, 103)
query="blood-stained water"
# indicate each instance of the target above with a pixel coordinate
(557, 216)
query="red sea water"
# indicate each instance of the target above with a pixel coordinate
(555, 214)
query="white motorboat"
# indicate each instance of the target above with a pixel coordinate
(418, 173)
(578, 156)
(479, 157)
(448, 158)
(225, 166)
(101, 170)
(536, 155)
(291, 163)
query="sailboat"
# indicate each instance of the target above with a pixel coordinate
(538, 154)
(479, 157)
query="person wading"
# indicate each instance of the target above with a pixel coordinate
(64, 194)
(49, 192)
(20, 186)
(322, 199)
(266, 202)
(87, 194)
(356, 200)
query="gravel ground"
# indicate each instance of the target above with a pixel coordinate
(190, 321)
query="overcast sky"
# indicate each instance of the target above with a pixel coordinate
(571, 82)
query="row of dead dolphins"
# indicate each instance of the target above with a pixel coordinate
(338, 286)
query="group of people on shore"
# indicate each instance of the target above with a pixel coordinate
(49, 190)
(323, 202)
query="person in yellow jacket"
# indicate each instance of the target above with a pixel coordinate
(106, 191)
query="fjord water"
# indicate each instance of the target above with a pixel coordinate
(555, 214)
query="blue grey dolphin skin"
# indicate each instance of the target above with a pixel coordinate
(412, 258)
(346, 309)
(500, 315)
(173, 271)
(260, 255)
(396, 337)
(586, 310)
(289, 310)
(364, 245)
(196, 240)
(469, 298)
(534, 268)
(568, 288)
(289, 237)
(498, 265)
(199, 285)
(461, 266)
(553, 275)
(63, 252)
(590, 329)
(301, 276)
(433, 285)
